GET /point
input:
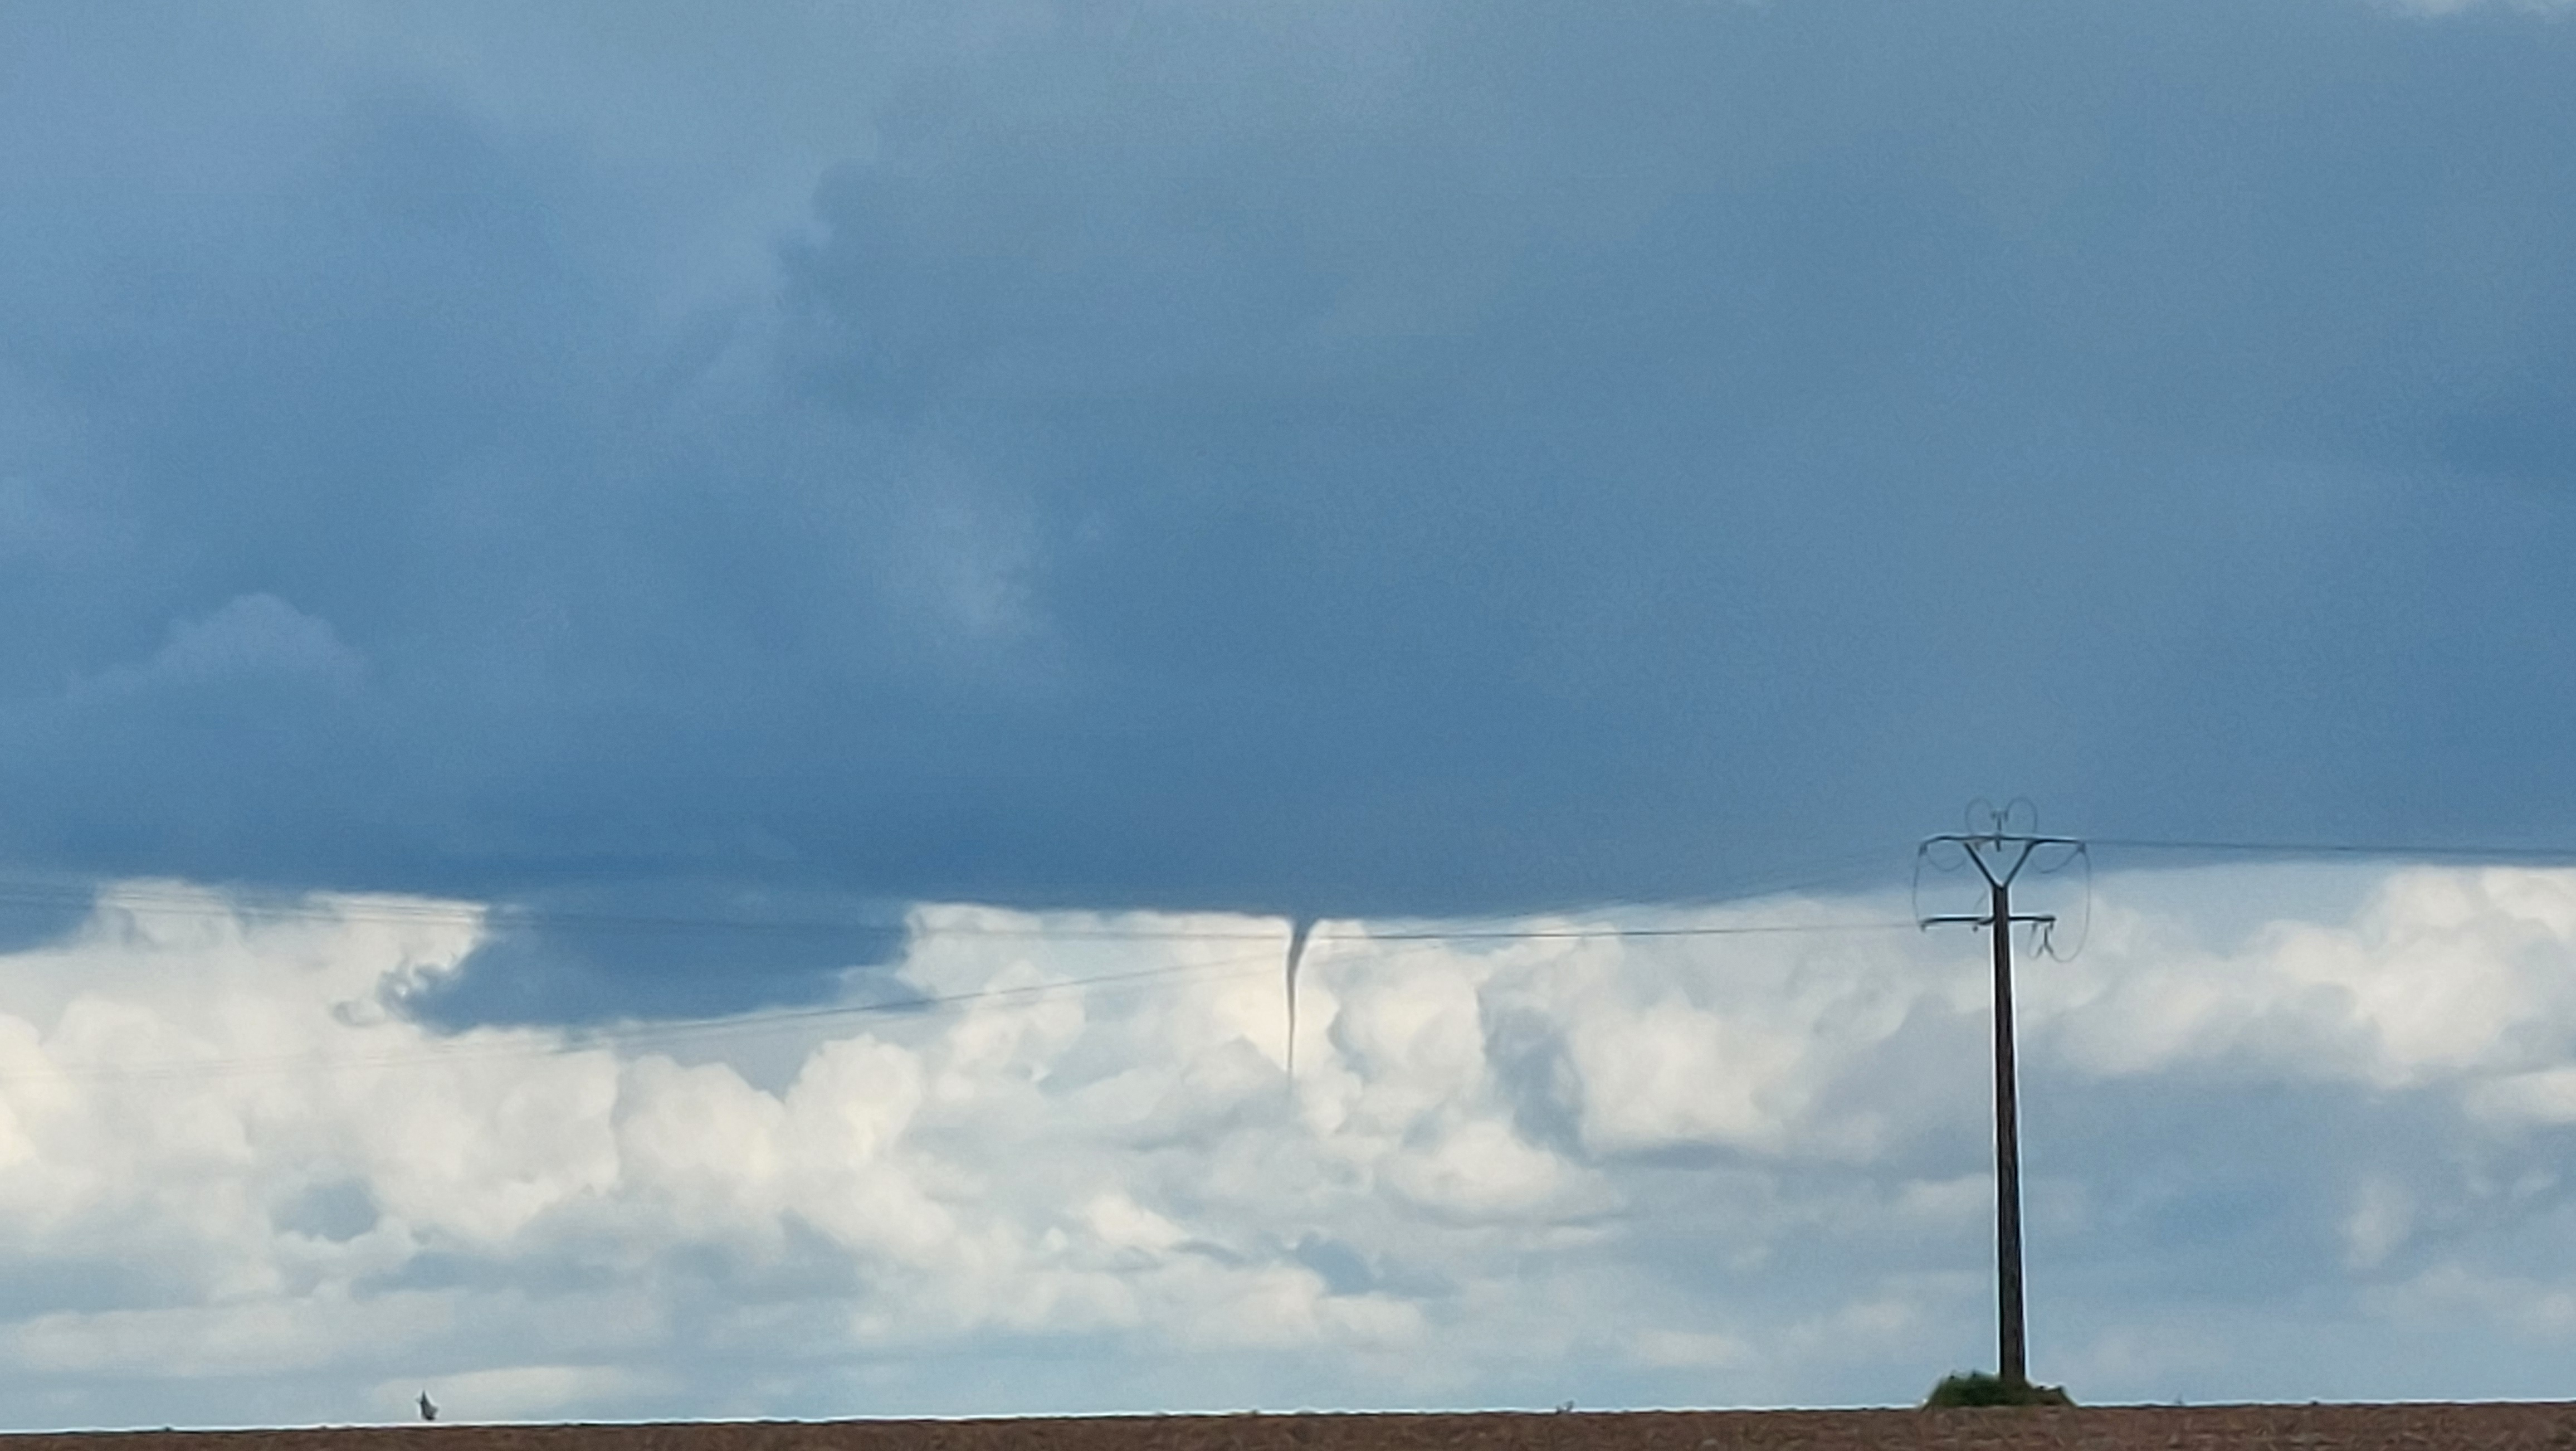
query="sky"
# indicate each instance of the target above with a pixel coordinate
(520, 525)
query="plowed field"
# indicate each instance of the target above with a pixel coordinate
(2125, 1428)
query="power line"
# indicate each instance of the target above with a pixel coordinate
(362, 907)
(645, 1035)
(359, 908)
(166, 897)
(377, 910)
(1543, 934)
(2427, 850)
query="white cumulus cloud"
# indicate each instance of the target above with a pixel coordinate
(237, 1182)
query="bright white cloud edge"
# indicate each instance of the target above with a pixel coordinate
(237, 1184)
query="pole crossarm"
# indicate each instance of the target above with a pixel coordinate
(1981, 919)
(1978, 843)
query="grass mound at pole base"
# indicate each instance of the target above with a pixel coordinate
(1976, 1388)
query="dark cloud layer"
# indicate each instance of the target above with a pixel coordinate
(1391, 458)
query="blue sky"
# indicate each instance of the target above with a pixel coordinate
(1378, 461)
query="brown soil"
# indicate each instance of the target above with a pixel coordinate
(2421, 1427)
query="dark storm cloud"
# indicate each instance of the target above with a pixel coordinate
(1398, 458)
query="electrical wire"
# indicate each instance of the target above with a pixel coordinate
(148, 900)
(145, 899)
(2424, 850)
(646, 1035)
(1544, 934)
(379, 910)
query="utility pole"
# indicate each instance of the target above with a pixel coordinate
(1999, 855)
